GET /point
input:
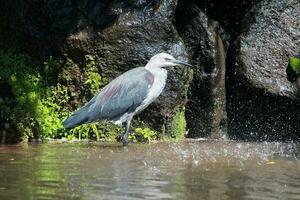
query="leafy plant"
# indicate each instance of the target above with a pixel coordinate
(51, 67)
(24, 83)
(178, 125)
(143, 135)
(295, 64)
(94, 80)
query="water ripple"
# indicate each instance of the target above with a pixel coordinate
(173, 170)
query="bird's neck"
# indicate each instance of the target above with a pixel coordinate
(152, 64)
(160, 78)
(159, 73)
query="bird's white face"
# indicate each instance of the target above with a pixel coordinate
(163, 60)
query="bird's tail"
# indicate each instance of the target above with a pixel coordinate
(77, 118)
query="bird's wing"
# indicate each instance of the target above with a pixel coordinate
(122, 95)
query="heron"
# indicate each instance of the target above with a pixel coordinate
(127, 95)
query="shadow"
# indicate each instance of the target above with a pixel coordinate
(290, 74)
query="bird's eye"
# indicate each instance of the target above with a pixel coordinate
(168, 59)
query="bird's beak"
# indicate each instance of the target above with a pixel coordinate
(178, 62)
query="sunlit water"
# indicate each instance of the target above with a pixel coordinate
(186, 170)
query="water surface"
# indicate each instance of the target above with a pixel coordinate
(185, 170)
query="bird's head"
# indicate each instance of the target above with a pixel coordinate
(164, 60)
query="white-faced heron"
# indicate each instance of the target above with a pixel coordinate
(127, 95)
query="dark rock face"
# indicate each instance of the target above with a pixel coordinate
(43, 23)
(206, 108)
(262, 102)
(229, 13)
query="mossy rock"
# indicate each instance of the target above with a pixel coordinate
(178, 125)
(295, 64)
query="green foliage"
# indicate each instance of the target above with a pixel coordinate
(103, 131)
(178, 125)
(51, 67)
(94, 80)
(143, 135)
(39, 107)
(295, 64)
(36, 107)
(24, 82)
(50, 111)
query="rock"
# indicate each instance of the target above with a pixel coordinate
(229, 13)
(262, 103)
(206, 108)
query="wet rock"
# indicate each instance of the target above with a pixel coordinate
(206, 108)
(229, 13)
(262, 103)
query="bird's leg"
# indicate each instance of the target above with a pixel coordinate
(125, 137)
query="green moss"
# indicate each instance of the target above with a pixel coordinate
(295, 64)
(24, 82)
(37, 107)
(178, 125)
(50, 70)
(101, 131)
(40, 104)
(51, 112)
(143, 135)
(94, 80)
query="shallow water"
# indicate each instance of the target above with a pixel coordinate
(186, 170)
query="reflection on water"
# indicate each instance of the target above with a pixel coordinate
(186, 170)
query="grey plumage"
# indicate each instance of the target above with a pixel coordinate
(122, 95)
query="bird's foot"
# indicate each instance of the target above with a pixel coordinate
(119, 138)
(122, 138)
(125, 138)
